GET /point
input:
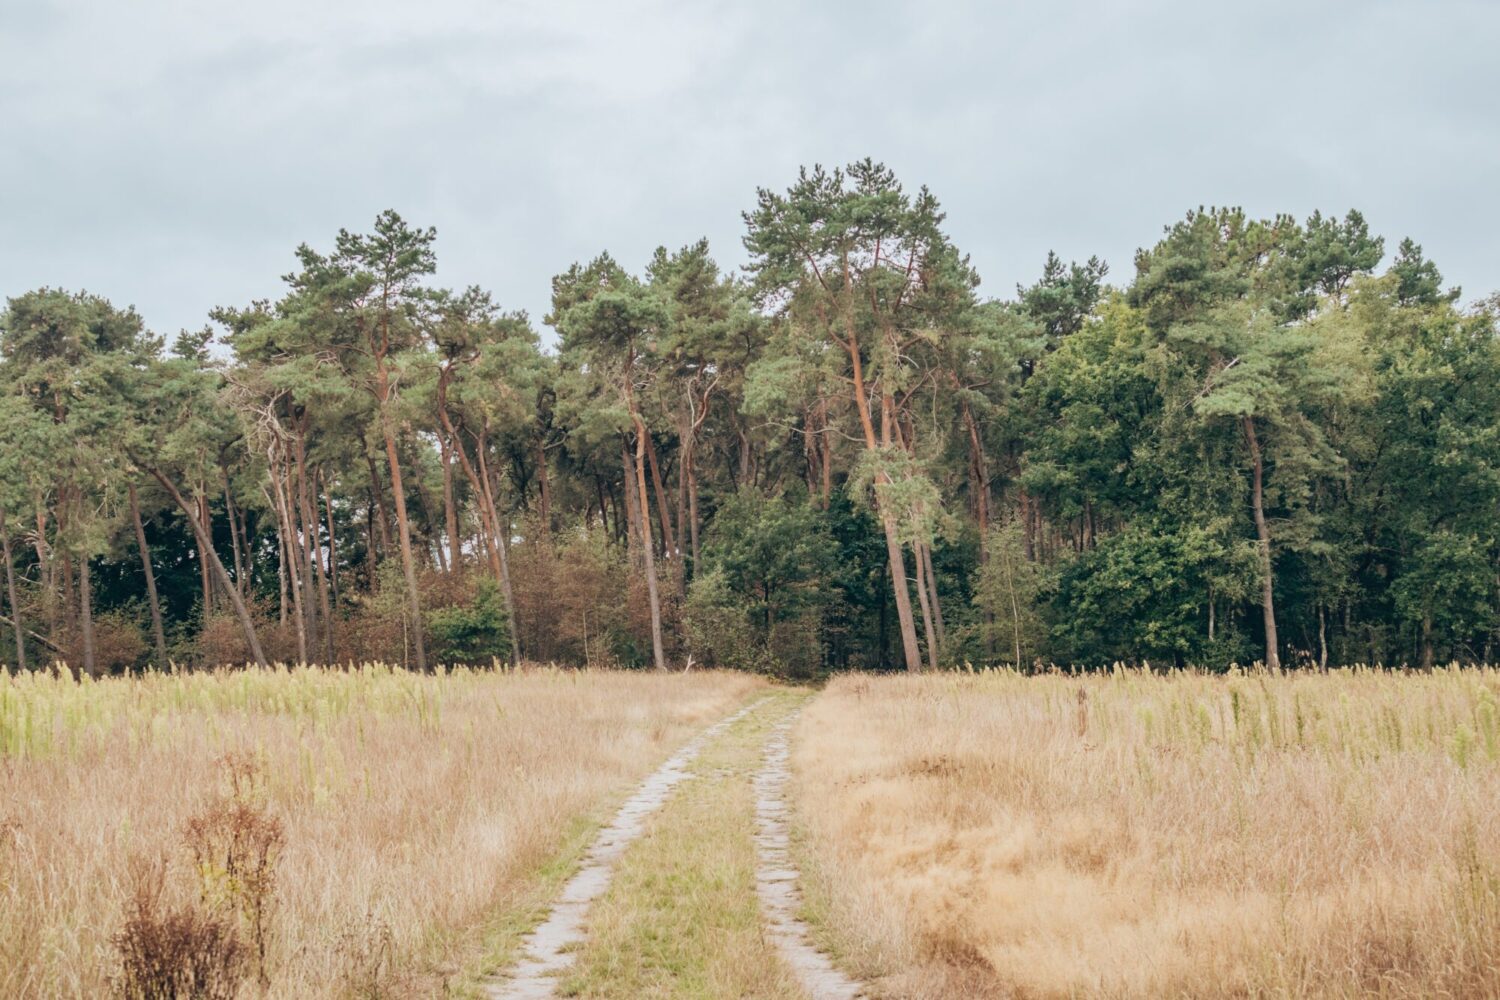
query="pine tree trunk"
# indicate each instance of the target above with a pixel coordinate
(479, 482)
(287, 530)
(47, 570)
(690, 470)
(927, 625)
(644, 506)
(450, 509)
(403, 535)
(981, 483)
(382, 519)
(303, 556)
(894, 555)
(544, 491)
(86, 616)
(281, 581)
(1263, 536)
(937, 604)
(234, 532)
(312, 545)
(205, 576)
(664, 516)
(632, 518)
(248, 541)
(1322, 638)
(158, 633)
(333, 542)
(499, 543)
(10, 593)
(432, 554)
(241, 612)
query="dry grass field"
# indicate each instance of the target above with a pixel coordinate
(1138, 835)
(327, 833)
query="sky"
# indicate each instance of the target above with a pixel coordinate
(171, 154)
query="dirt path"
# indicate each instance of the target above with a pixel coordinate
(690, 894)
(777, 876)
(548, 950)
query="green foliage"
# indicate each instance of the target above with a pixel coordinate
(1141, 595)
(769, 565)
(1255, 445)
(475, 632)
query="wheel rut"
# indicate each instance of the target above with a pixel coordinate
(550, 948)
(777, 876)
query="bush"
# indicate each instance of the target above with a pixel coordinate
(717, 630)
(474, 632)
(171, 953)
(236, 845)
(119, 643)
(568, 588)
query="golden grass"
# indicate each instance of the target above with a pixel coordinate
(681, 917)
(1134, 835)
(424, 816)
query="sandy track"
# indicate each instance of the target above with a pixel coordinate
(777, 876)
(551, 948)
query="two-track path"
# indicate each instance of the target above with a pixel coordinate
(720, 857)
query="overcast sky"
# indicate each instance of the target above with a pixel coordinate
(171, 153)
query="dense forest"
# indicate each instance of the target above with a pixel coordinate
(1275, 441)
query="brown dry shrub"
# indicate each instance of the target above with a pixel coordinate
(236, 844)
(168, 952)
(567, 590)
(119, 643)
(221, 640)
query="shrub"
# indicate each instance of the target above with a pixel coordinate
(170, 953)
(236, 844)
(473, 632)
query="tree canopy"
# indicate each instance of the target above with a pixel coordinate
(1273, 441)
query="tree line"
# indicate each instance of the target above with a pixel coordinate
(1262, 447)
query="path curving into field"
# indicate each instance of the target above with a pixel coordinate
(776, 876)
(551, 947)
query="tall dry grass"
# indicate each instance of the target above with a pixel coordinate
(408, 808)
(1135, 835)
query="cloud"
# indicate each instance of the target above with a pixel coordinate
(171, 154)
